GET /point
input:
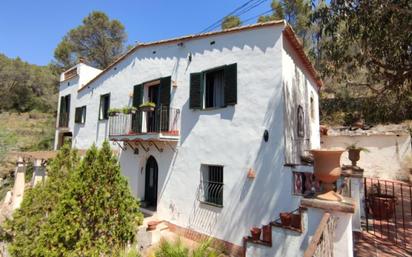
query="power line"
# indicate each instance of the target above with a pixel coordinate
(245, 8)
(252, 7)
(242, 12)
(254, 17)
(231, 13)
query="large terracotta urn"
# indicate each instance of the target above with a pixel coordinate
(327, 169)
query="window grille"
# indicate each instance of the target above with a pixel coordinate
(212, 185)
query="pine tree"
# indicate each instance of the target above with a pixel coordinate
(98, 214)
(38, 203)
(231, 22)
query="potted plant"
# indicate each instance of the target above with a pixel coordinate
(381, 205)
(114, 111)
(296, 221)
(147, 106)
(285, 219)
(354, 153)
(128, 110)
(255, 231)
(267, 233)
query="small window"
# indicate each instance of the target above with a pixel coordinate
(304, 183)
(212, 185)
(80, 115)
(312, 108)
(104, 107)
(301, 122)
(214, 89)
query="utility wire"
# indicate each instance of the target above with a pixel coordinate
(252, 7)
(254, 17)
(242, 10)
(231, 13)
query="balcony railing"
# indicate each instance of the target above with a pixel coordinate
(63, 120)
(162, 120)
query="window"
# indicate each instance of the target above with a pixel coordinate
(304, 183)
(212, 185)
(104, 107)
(64, 111)
(301, 122)
(80, 115)
(214, 89)
(312, 108)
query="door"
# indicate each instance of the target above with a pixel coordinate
(151, 183)
(152, 119)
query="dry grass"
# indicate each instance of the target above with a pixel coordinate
(23, 132)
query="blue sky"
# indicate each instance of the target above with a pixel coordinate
(32, 29)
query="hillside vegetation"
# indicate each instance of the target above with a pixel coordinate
(25, 87)
(24, 132)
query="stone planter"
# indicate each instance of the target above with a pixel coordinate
(255, 231)
(354, 155)
(327, 169)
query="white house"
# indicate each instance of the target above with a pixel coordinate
(235, 111)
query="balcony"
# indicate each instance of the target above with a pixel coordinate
(160, 124)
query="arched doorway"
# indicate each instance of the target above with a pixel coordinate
(150, 194)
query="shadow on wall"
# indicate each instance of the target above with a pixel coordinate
(190, 117)
(260, 200)
(271, 191)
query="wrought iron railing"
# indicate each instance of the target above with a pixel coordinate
(159, 120)
(211, 192)
(64, 119)
(321, 244)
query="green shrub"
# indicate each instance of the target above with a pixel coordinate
(84, 208)
(177, 249)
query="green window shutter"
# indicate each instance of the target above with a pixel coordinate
(107, 107)
(196, 91)
(231, 84)
(164, 99)
(137, 95)
(137, 101)
(78, 115)
(62, 104)
(165, 91)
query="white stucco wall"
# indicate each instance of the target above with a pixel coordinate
(299, 89)
(385, 156)
(70, 86)
(231, 136)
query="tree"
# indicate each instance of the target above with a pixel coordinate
(23, 231)
(367, 51)
(99, 40)
(84, 208)
(296, 13)
(97, 215)
(231, 22)
(24, 87)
